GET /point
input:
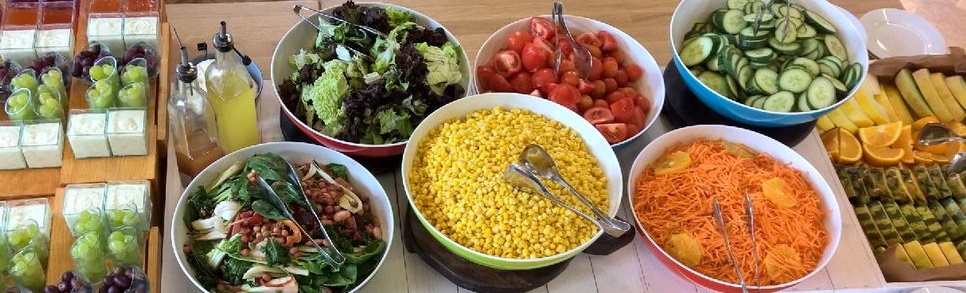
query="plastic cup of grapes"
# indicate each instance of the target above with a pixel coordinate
(101, 95)
(25, 79)
(143, 51)
(125, 215)
(88, 255)
(51, 60)
(70, 282)
(54, 77)
(124, 246)
(125, 280)
(86, 58)
(20, 105)
(50, 106)
(132, 95)
(90, 220)
(135, 71)
(27, 270)
(27, 237)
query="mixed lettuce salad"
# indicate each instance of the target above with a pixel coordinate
(240, 242)
(359, 87)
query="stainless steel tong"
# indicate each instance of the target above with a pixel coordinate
(719, 221)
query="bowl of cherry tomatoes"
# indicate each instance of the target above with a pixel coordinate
(622, 96)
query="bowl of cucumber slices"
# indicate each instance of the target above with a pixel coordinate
(804, 58)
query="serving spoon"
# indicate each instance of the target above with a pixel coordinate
(937, 133)
(582, 58)
(539, 163)
(521, 178)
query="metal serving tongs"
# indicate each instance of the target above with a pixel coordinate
(336, 255)
(281, 206)
(761, 13)
(582, 58)
(750, 211)
(298, 12)
(719, 221)
(522, 178)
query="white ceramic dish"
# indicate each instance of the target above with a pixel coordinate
(595, 142)
(757, 142)
(894, 32)
(362, 180)
(855, 22)
(651, 84)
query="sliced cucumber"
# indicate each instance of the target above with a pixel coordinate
(821, 93)
(697, 51)
(760, 103)
(794, 79)
(819, 22)
(750, 17)
(809, 46)
(785, 48)
(809, 64)
(802, 103)
(836, 48)
(750, 101)
(738, 4)
(715, 82)
(761, 55)
(766, 80)
(839, 86)
(785, 33)
(732, 87)
(731, 21)
(782, 101)
(806, 31)
(856, 70)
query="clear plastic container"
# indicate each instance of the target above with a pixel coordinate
(27, 225)
(11, 157)
(87, 133)
(128, 203)
(89, 257)
(49, 105)
(19, 31)
(82, 208)
(56, 29)
(127, 131)
(20, 105)
(27, 269)
(124, 246)
(141, 29)
(43, 144)
(104, 6)
(107, 29)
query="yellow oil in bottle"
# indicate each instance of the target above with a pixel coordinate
(233, 99)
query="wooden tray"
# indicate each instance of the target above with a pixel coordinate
(61, 240)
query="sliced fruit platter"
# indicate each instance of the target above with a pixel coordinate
(902, 192)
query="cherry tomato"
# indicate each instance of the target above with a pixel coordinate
(594, 51)
(518, 40)
(542, 77)
(566, 65)
(618, 55)
(597, 115)
(607, 41)
(565, 48)
(624, 110)
(621, 77)
(498, 83)
(585, 87)
(546, 47)
(628, 92)
(506, 63)
(522, 83)
(613, 132)
(596, 69)
(610, 68)
(600, 89)
(483, 72)
(570, 77)
(644, 103)
(634, 72)
(614, 96)
(534, 57)
(585, 103)
(611, 85)
(565, 94)
(542, 28)
(588, 39)
(601, 103)
(633, 129)
(638, 118)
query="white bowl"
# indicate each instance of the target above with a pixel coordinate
(894, 32)
(754, 141)
(303, 35)
(362, 180)
(595, 142)
(650, 85)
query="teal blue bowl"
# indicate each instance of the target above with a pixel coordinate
(690, 12)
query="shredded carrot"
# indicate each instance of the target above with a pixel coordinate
(681, 202)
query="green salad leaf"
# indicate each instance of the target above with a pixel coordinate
(390, 120)
(326, 95)
(398, 17)
(443, 64)
(198, 206)
(373, 249)
(269, 166)
(204, 273)
(266, 209)
(288, 193)
(339, 170)
(234, 270)
(275, 253)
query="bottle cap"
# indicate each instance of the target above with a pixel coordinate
(222, 40)
(186, 71)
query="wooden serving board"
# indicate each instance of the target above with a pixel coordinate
(60, 261)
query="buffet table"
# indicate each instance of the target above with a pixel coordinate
(258, 26)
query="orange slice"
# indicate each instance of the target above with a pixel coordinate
(672, 162)
(916, 126)
(905, 143)
(921, 157)
(882, 135)
(882, 156)
(957, 128)
(830, 139)
(850, 150)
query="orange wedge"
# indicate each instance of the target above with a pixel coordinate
(921, 157)
(850, 150)
(957, 128)
(882, 156)
(882, 135)
(905, 143)
(951, 150)
(919, 124)
(936, 149)
(830, 139)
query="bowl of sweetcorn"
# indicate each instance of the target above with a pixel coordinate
(452, 175)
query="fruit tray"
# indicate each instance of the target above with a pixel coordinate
(28, 183)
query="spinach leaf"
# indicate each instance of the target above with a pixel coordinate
(310, 284)
(288, 193)
(275, 253)
(371, 250)
(199, 206)
(339, 170)
(232, 246)
(239, 190)
(345, 277)
(269, 166)
(205, 274)
(314, 262)
(266, 209)
(234, 270)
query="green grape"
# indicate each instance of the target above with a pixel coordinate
(19, 107)
(124, 247)
(24, 80)
(88, 255)
(132, 95)
(121, 218)
(4, 255)
(55, 79)
(28, 270)
(51, 110)
(133, 74)
(97, 73)
(101, 96)
(22, 235)
(89, 221)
